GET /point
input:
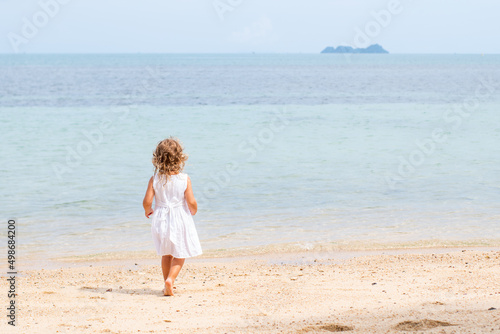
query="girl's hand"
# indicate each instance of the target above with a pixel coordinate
(149, 212)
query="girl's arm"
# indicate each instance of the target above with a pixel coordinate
(191, 201)
(148, 199)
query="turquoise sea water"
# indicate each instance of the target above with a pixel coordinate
(283, 148)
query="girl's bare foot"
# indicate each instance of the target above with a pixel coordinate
(168, 291)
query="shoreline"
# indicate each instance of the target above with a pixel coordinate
(342, 249)
(296, 247)
(440, 290)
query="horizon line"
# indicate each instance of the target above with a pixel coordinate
(235, 53)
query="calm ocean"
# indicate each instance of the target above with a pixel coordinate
(283, 148)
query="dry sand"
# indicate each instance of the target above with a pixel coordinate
(425, 291)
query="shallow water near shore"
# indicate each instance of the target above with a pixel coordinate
(318, 152)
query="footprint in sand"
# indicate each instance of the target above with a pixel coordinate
(329, 328)
(420, 325)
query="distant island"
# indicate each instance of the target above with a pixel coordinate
(375, 48)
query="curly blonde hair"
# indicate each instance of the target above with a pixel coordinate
(168, 158)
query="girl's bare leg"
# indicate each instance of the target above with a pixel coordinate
(172, 275)
(166, 263)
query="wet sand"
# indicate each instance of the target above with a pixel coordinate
(396, 291)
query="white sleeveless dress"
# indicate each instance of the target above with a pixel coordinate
(172, 224)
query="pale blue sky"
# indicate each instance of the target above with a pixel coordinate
(192, 26)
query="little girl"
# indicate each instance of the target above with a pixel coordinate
(172, 225)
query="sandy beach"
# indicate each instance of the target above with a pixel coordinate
(396, 291)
